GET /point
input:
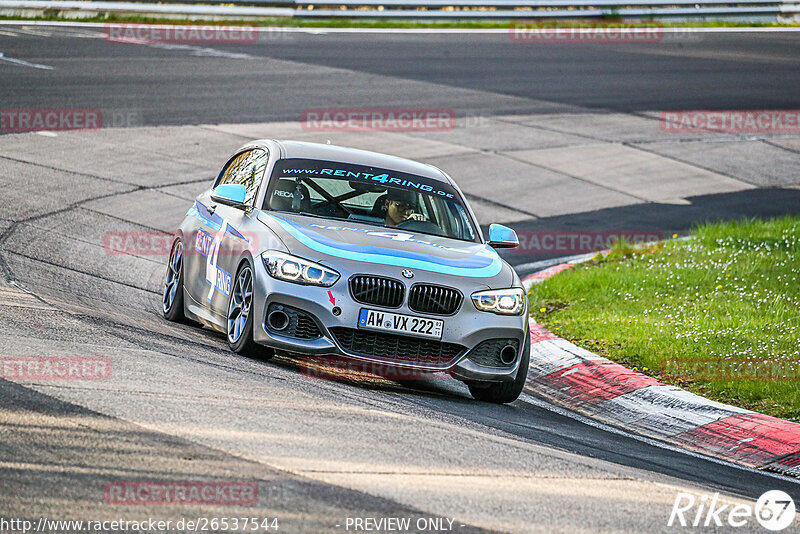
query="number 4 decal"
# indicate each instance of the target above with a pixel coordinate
(213, 273)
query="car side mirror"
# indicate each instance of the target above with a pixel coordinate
(502, 236)
(230, 195)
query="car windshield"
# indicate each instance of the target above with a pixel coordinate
(369, 195)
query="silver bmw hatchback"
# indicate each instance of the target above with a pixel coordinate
(318, 250)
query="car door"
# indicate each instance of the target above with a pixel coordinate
(231, 238)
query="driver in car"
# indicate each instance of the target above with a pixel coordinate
(400, 206)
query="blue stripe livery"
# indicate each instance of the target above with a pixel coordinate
(483, 264)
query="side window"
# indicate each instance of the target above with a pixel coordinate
(246, 169)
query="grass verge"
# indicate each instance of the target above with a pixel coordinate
(354, 23)
(717, 314)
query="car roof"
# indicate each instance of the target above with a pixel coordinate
(302, 149)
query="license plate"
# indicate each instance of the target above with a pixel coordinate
(400, 323)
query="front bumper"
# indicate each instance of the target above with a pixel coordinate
(467, 328)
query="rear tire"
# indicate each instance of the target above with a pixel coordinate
(172, 299)
(505, 392)
(240, 317)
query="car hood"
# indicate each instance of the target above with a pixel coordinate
(327, 240)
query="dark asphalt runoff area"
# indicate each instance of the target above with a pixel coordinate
(181, 406)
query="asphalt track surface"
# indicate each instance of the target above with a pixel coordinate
(180, 406)
(179, 84)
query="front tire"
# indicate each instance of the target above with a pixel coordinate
(505, 392)
(240, 317)
(172, 299)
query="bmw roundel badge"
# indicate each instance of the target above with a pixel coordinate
(408, 273)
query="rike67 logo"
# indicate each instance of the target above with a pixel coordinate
(774, 511)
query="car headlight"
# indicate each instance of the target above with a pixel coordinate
(293, 269)
(502, 301)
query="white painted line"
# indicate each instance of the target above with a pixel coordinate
(24, 63)
(198, 50)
